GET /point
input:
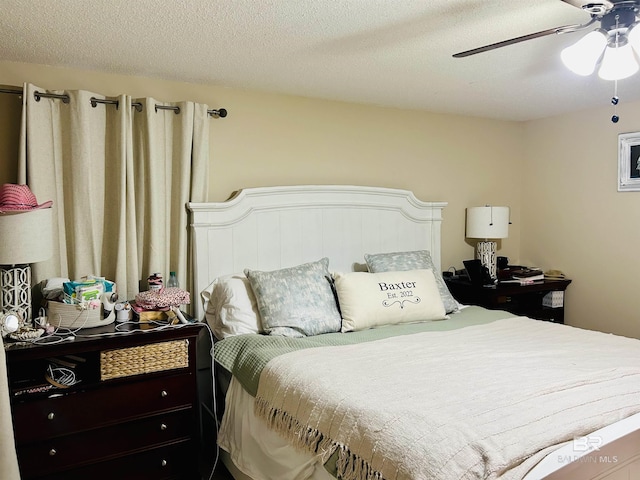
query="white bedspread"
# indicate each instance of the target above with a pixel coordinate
(485, 401)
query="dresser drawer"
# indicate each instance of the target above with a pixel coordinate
(174, 462)
(55, 454)
(108, 404)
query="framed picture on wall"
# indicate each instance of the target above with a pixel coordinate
(628, 162)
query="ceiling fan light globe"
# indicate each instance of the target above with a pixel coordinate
(581, 57)
(618, 63)
(634, 37)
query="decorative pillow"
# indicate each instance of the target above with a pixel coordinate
(419, 259)
(230, 306)
(296, 301)
(370, 300)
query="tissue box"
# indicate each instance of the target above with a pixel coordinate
(553, 300)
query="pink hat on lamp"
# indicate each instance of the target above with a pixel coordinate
(19, 198)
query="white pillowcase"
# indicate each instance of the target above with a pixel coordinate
(230, 306)
(369, 300)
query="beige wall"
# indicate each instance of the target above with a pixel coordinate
(574, 219)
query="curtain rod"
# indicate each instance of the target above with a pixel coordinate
(217, 113)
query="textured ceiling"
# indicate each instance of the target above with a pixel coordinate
(384, 52)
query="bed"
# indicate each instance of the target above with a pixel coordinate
(407, 384)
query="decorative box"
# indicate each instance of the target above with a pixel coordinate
(553, 300)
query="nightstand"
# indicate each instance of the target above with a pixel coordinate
(515, 298)
(132, 415)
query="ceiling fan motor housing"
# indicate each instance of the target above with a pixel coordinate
(619, 17)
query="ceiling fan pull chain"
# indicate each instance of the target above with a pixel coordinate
(615, 99)
(614, 102)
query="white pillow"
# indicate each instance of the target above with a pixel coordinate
(230, 306)
(369, 300)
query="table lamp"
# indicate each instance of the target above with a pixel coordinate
(487, 223)
(26, 236)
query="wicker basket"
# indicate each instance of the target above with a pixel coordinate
(64, 315)
(154, 357)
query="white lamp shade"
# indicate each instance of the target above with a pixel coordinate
(487, 222)
(26, 237)
(618, 63)
(581, 57)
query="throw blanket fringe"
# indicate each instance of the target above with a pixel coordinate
(349, 466)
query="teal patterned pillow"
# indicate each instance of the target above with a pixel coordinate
(296, 301)
(416, 260)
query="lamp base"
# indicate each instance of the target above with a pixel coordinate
(486, 253)
(15, 294)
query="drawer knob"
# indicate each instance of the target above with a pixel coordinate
(51, 416)
(164, 393)
(163, 463)
(163, 426)
(52, 452)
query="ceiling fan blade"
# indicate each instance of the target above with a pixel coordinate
(575, 3)
(505, 43)
(523, 38)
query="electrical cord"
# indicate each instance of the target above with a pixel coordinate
(119, 328)
(213, 394)
(62, 334)
(61, 377)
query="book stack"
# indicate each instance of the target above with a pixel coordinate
(527, 275)
(554, 275)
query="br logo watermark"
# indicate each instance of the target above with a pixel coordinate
(586, 449)
(587, 444)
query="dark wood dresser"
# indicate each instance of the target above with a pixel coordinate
(132, 415)
(518, 299)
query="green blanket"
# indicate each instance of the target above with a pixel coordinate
(246, 355)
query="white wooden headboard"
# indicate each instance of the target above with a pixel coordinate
(275, 227)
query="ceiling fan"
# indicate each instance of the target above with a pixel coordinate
(614, 44)
(609, 44)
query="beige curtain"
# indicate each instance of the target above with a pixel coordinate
(119, 177)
